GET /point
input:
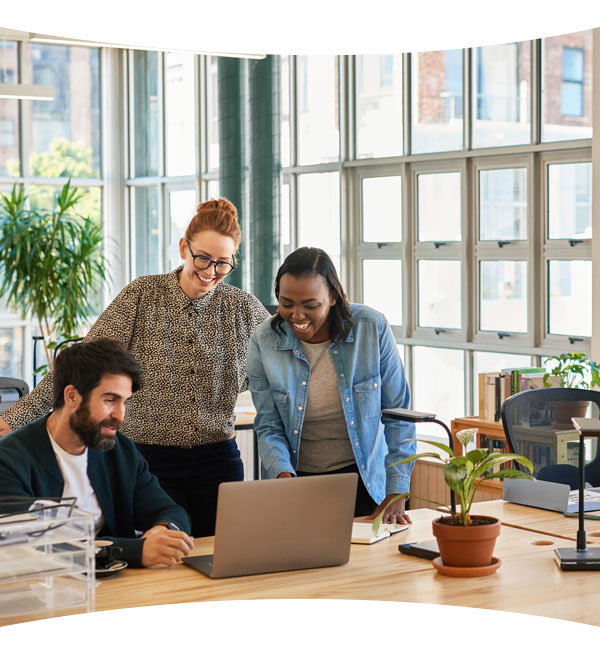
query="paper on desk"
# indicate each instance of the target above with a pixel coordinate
(362, 531)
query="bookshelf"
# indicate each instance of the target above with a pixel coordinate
(488, 432)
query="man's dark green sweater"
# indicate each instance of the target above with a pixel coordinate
(129, 495)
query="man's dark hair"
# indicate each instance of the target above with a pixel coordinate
(85, 363)
(312, 260)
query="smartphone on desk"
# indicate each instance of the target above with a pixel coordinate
(428, 550)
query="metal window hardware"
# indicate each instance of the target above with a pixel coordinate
(574, 339)
(501, 243)
(438, 331)
(439, 243)
(574, 241)
(503, 334)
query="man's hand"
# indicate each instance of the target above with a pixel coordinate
(285, 475)
(165, 547)
(394, 513)
(5, 429)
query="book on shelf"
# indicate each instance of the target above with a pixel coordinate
(496, 387)
(362, 531)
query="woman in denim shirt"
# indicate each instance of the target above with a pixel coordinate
(321, 371)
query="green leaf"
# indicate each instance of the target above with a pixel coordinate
(455, 476)
(476, 455)
(465, 436)
(510, 473)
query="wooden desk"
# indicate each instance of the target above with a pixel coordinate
(528, 580)
(537, 520)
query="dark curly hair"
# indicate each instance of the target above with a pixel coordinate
(85, 363)
(312, 260)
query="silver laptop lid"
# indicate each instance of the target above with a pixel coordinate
(539, 494)
(283, 524)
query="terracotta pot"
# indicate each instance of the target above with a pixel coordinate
(466, 546)
(564, 410)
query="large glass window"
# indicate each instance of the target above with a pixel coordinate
(319, 213)
(64, 134)
(567, 87)
(382, 209)
(439, 206)
(438, 386)
(570, 297)
(145, 114)
(570, 200)
(503, 296)
(379, 105)
(180, 131)
(212, 113)
(501, 94)
(318, 134)
(182, 207)
(437, 101)
(440, 294)
(10, 163)
(382, 287)
(146, 231)
(503, 204)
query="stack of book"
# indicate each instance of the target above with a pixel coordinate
(495, 387)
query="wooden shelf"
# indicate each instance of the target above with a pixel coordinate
(486, 428)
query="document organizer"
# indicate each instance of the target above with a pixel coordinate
(47, 558)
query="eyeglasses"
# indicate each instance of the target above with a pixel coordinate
(201, 262)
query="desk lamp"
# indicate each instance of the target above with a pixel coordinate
(407, 415)
(581, 558)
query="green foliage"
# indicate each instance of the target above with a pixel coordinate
(50, 261)
(62, 159)
(572, 369)
(464, 474)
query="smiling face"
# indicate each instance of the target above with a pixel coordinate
(305, 303)
(196, 283)
(97, 418)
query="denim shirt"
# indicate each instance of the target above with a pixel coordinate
(370, 378)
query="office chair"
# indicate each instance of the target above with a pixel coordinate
(10, 391)
(537, 425)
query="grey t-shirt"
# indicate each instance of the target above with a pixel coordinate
(325, 445)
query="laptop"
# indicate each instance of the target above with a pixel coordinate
(281, 525)
(548, 495)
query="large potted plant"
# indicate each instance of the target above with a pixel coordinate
(51, 260)
(465, 540)
(571, 370)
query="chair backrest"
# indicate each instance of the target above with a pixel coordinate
(10, 391)
(537, 424)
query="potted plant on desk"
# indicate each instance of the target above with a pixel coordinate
(466, 542)
(571, 370)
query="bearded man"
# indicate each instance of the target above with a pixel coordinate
(78, 451)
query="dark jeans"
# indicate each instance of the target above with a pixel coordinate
(364, 502)
(191, 477)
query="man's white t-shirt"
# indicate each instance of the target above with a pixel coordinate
(77, 484)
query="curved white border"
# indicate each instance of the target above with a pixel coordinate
(303, 26)
(300, 625)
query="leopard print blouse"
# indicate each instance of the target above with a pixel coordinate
(192, 354)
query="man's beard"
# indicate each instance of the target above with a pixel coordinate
(89, 429)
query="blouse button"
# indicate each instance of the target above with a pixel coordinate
(303, 382)
(295, 432)
(347, 398)
(335, 351)
(352, 423)
(374, 385)
(299, 407)
(342, 374)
